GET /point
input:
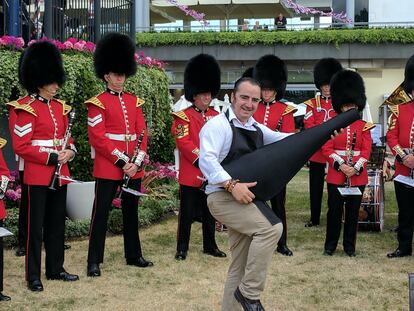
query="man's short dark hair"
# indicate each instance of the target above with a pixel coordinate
(244, 79)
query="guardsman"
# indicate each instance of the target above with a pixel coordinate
(347, 155)
(22, 227)
(201, 84)
(115, 127)
(319, 110)
(4, 180)
(37, 137)
(271, 72)
(400, 138)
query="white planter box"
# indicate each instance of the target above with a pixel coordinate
(79, 200)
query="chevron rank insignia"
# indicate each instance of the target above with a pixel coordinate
(22, 130)
(95, 120)
(3, 142)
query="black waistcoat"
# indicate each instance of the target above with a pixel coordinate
(245, 141)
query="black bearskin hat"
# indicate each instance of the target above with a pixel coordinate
(347, 87)
(248, 73)
(271, 73)
(115, 53)
(324, 70)
(409, 75)
(39, 65)
(201, 75)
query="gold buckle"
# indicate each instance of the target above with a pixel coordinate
(56, 142)
(128, 137)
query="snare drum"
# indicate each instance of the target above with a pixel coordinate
(371, 212)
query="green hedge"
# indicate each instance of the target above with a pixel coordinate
(246, 38)
(150, 84)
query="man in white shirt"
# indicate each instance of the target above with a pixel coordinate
(253, 233)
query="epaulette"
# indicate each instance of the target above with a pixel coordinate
(21, 101)
(181, 114)
(27, 108)
(95, 101)
(368, 126)
(309, 103)
(394, 109)
(66, 108)
(289, 109)
(140, 102)
(3, 142)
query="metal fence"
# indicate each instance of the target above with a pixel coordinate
(62, 19)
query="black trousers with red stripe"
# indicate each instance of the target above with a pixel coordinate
(278, 203)
(105, 191)
(405, 195)
(193, 203)
(336, 204)
(1, 260)
(21, 235)
(316, 181)
(46, 222)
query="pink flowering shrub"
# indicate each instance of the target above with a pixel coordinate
(75, 45)
(13, 192)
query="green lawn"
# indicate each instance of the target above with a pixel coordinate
(306, 281)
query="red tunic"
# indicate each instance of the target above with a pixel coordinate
(277, 116)
(186, 129)
(37, 137)
(335, 150)
(4, 176)
(400, 135)
(318, 111)
(115, 122)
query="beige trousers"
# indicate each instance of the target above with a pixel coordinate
(252, 240)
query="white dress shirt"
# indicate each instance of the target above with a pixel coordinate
(215, 142)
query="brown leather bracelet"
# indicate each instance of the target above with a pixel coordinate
(231, 184)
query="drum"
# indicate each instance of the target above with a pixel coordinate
(371, 211)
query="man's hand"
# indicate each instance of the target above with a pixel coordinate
(130, 169)
(65, 155)
(349, 171)
(242, 194)
(336, 133)
(409, 160)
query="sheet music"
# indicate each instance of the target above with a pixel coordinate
(345, 191)
(4, 232)
(405, 180)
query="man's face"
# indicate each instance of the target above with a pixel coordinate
(326, 90)
(49, 91)
(202, 100)
(268, 95)
(115, 81)
(245, 100)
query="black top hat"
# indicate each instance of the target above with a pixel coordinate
(201, 75)
(39, 65)
(115, 53)
(409, 75)
(347, 87)
(324, 70)
(271, 73)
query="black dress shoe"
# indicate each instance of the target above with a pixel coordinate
(63, 276)
(216, 253)
(21, 251)
(4, 297)
(248, 304)
(328, 252)
(284, 250)
(35, 286)
(181, 255)
(93, 270)
(398, 253)
(350, 253)
(139, 262)
(310, 224)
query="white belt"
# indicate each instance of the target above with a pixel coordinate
(47, 142)
(121, 137)
(345, 153)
